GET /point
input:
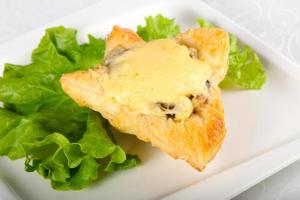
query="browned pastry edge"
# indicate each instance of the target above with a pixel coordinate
(197, 139)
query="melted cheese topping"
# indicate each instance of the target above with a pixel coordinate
(160, 71)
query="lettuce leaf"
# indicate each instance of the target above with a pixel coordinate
(203, 23)
(158, 27)
(75, 165)
(69, 145)
(245, 68)
(15, 131)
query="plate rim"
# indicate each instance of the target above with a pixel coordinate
(248, 37)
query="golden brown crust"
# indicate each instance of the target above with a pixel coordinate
(213, 47)
(121, 37)
(196, 140)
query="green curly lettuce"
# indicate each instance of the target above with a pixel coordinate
(69, 145)
(245, 68)
(203, 23)
(158, 27)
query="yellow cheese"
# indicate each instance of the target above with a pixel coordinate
(160, 71)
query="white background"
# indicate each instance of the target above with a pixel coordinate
(276, 21)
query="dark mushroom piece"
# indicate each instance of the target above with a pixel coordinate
(172, 116)
(166, 106)
(199, 100)
(193, 52)
(117, 51)
(208, 84)
(191, 97)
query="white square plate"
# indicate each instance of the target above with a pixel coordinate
(257, 121)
